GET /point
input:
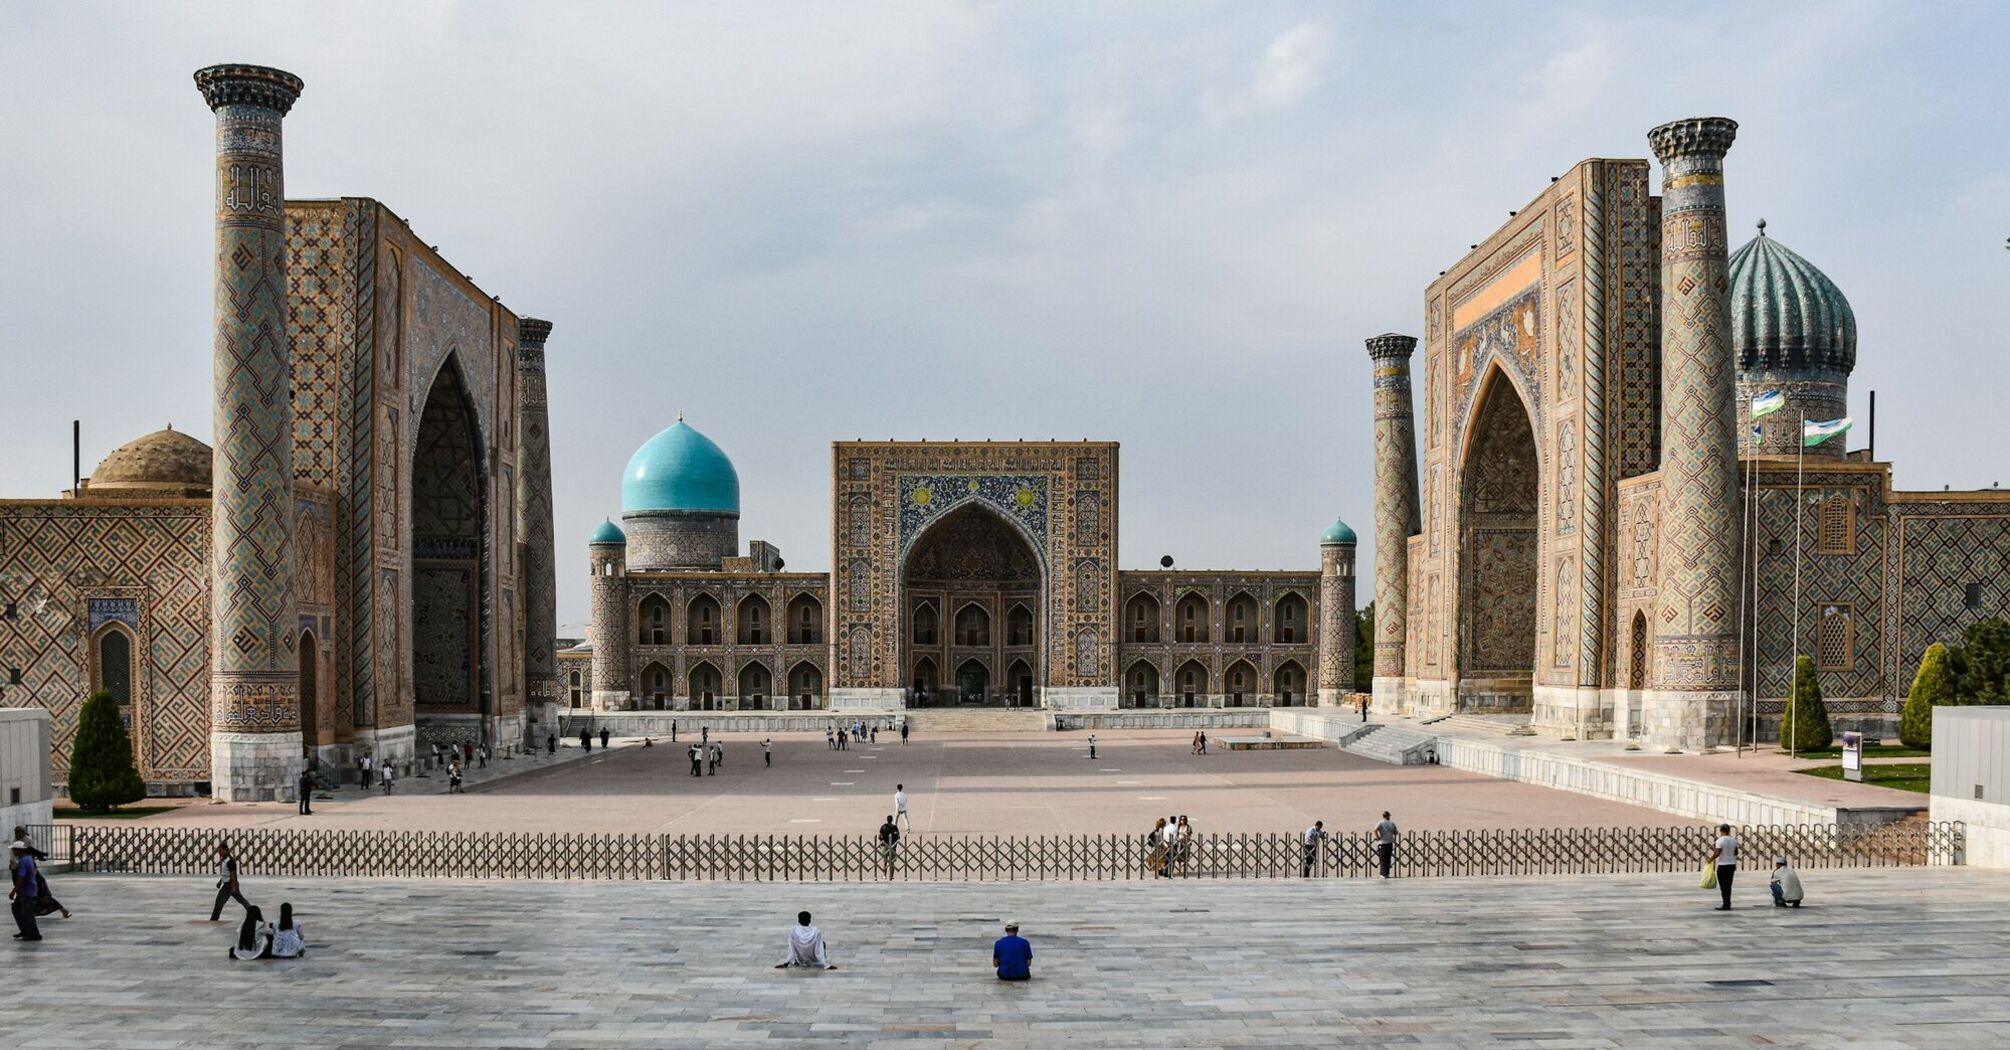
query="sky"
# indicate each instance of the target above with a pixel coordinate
(1167, 225)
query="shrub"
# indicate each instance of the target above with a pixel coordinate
(1807, 725)
(102, 774)
(1932, 687)
(1982, 664)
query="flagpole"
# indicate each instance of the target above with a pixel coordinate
(1800, 470)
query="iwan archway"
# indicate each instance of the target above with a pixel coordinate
(451, 604)
(1499, 545)
(967, 591)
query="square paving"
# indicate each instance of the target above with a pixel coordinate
(1878, 958)
(1001, 783)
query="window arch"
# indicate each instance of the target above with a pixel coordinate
(1239, 683)
(1239, 620)
(1287, 684)
(653, 621)
(1191, 614)
(924, 676)
(806, 686)
(1192, 682)
(1019, 682)
(656, 686)
(1142, 682)
(925, 623)
(1141, 618)
(755, 685)
(701, 621)
(973, 625)
(704, 683)
(1019, 626)
(806, 620)
(112, 663)
(1636, 668)
(573, 688)
(1837, 529)
(1290, 627)
(755, 626)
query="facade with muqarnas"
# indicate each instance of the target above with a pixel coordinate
(362, 563)
(1577, 544)
(962, 573)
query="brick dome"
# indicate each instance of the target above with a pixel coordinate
(166, 462)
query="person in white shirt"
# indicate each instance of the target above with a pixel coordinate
(1725, 856)
(900, 807)
(1314, 837)
(806, 946)
(289, 939)
(1787, 892)
(767, 752)
(254, 937)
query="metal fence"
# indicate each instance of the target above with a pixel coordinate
(975, 858)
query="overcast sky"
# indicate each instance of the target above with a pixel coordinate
(1169, 225)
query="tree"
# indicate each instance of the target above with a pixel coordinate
(102, 774)
(1982, 664)
(1932, 687)
(1364, 649)
(1807, 727)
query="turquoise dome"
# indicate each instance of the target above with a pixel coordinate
(680, 469)
(1336, 533)
(608, 532)
(1786, 315)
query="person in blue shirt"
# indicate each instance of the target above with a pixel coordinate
(1013, 955)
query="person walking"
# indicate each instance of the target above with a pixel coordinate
(387, 775)
(363, 765)
(551, 743)
(226, 882)
(49, 903)
(900, 805)
(1315, 836)
(717, 756)
(1725, 856)
(25, 891)
(1201, 738)
(673, 730)
(873, 737)
(704, 734)
(1092, 745)
(830, 738)
(903, 730)
(586, 740)
(768, 752)
(603, 738)
(1012, 955)
(889, 842)
(1385, 843)
(454, 777)
(307, 791)
(482, 757)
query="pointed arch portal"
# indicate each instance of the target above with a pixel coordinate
(975, 574)
(1499, 543)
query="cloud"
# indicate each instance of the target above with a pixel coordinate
(1290, 68)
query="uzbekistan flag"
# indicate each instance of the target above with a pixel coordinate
(1813, 433)
(1767, 403)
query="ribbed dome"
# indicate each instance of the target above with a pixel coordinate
(608, 532)
(1337, 533)
(1786, 315)
(680, 469)
(165, 462)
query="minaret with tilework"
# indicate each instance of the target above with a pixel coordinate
(534, 527)
(1691, 701)
(1336, 614)
(254, 663)
(1395, 510)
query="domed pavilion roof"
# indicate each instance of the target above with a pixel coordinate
(680, 469)
(608, 532)
(1786, 315)
(1337, 533)
(165, 462)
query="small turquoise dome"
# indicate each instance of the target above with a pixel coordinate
(608, 532)
(1786, 315)
(1336, 533)
(680, 469)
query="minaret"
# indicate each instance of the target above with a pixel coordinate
(254, 668)
(1395, 510)
(1695, 662)
(610, 630)
(533, 525)
(1336, 614)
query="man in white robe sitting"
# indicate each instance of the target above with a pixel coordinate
(806, 946)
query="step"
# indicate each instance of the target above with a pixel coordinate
(1396, 745)
(985, 720)
(1498, 725)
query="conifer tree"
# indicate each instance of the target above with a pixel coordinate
(1932, 687)
(102, 774)
(1807, 725)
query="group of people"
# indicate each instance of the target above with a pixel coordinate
(1011, 955)
(1169, 842)
(1200, 742)
(1720, 869)
(256, 938)
(840, 738)
(28, 895)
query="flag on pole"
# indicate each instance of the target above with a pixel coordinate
(1758, 434)
(1767, 403)
(1814, 433)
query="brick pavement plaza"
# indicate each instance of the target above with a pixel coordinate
(1879, 958)
(1003, 783)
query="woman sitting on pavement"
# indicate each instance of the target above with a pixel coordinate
(254, 938)
(289, 940)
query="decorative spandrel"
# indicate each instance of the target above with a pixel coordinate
(927, 497)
